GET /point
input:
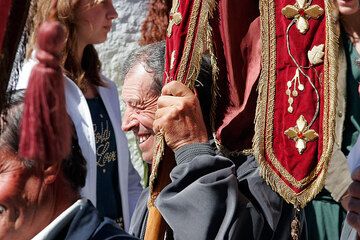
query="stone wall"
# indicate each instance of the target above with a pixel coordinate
(122, 39)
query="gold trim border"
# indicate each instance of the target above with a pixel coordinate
(189, 70)
(266, 100)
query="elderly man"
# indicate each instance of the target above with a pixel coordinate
(210, 196)
(143, 74)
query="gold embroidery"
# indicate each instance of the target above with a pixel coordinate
(316, 54)
(265, 119)
(302, 11)
(294, 93)
(175, 16)
(301, 134)
(172, 59)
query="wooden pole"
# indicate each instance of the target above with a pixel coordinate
(156, 225)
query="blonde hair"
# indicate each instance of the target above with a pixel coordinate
(79, 70)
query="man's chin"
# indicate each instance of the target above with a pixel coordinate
(147, 157)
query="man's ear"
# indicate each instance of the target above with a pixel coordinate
(51, 172)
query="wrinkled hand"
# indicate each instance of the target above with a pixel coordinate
(179, 116)
(353, 216)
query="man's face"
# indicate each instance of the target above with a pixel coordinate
(141, 105)
(20, 214)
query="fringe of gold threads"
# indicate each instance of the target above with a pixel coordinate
(266, 99)
(268, 56)
(195, 40)
(198, 38)
(157, 156)
(215, 74)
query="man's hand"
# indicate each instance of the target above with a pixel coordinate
(179, 116)
(353, 216)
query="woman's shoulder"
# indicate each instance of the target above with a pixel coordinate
(25, 73)
(106, 79)
(108, 83)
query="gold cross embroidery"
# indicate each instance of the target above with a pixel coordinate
(175, 16)
(301, 134)
(302, 11)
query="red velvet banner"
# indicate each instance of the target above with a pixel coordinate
(294, 119)
(186, 38)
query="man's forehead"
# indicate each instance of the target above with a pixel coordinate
(138, 77)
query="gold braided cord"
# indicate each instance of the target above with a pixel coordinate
(331, 69)
(188, 70)
(157, 156)
(268, 56)
(215, 75)
(266, 101)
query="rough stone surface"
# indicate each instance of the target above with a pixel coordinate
(122, 39)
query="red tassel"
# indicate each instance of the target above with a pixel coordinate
(45, 127)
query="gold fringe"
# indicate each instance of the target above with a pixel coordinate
(268, 56)
(215, 93)
(194, 44)
(215, 75)
(266, 100)
(157, 156)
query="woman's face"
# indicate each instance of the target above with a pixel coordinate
(348, 7)
(94, 20)
(19, 199)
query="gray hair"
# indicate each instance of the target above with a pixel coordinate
(152, 58)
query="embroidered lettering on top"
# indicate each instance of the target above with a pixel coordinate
(102, 137)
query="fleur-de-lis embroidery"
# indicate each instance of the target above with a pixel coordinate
(175, 17)
(302, 11)
(301, 134)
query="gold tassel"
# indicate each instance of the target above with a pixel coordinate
(295, 224)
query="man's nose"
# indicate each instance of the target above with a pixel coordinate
(129, 121)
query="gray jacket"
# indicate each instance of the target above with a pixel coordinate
(210, 197)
